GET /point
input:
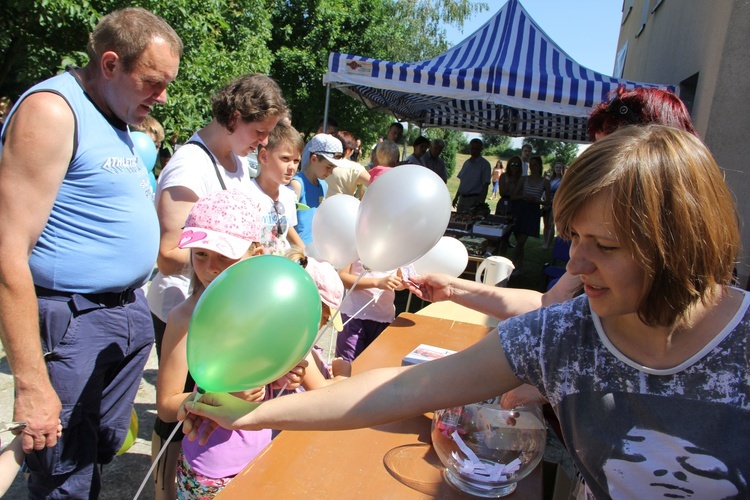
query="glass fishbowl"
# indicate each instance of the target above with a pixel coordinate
(485, 449)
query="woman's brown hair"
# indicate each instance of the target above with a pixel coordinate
(252, 97)
(672, 211)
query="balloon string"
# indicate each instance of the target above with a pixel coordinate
(355, 314)
(321, 331)
(338, 310)
(329, 324)
(198, 394)
(283, 388)
(329, 356)
(349, 292)
(320, 334)
(364, 271)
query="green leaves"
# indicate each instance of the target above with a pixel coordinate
(222, 41)
(553, 151)
(288, 39)
(495, 144)
(306, 31)
(564, 152)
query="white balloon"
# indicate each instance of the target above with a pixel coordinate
(448, 256)
(333, 230)
(312, 251)
(402, 216)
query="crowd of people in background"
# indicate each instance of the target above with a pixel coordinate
(77, 327)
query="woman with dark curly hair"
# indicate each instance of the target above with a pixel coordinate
(245, 111)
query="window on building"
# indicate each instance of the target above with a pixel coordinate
(622, 54)
(657, 3)
(688, 88)
(627, 6)
(644, 17)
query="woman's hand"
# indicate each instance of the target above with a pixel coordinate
(523, 395)
(215, 410)
(431, 287)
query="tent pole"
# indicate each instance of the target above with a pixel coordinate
(325, 112)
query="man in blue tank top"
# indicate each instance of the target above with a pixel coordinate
(79, 238)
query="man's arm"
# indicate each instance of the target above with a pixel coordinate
(363, 179)
(486, 179)
(485, 190)
(35, 157)
(363, 182)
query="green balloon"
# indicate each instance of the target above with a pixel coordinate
(252, 324)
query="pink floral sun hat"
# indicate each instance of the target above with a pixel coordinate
(328, 282)
(227, 222)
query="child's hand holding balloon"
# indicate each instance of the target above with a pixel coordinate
(214, 410)
(390, 282)
(252, 396)
(292, 380)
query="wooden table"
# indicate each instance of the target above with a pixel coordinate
(456, 312)
(356, 463)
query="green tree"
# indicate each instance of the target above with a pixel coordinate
(541, 147)
(496, 141)
(411, 132)
(564, 152)
(222, 38)
(455, 141)
(38, 37)
(306, 31)
(289, 39)
(495, 144)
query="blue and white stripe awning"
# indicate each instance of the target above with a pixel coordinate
(508, 77)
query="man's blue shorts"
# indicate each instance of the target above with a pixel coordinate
(95, 347)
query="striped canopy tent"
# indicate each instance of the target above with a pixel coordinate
(507, 78)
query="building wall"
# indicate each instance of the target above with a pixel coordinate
(682, 38)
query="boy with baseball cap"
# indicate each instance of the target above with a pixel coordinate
(326, 153)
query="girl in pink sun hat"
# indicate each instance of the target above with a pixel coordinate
(222, 228)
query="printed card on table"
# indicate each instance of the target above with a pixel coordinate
(425, 352)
